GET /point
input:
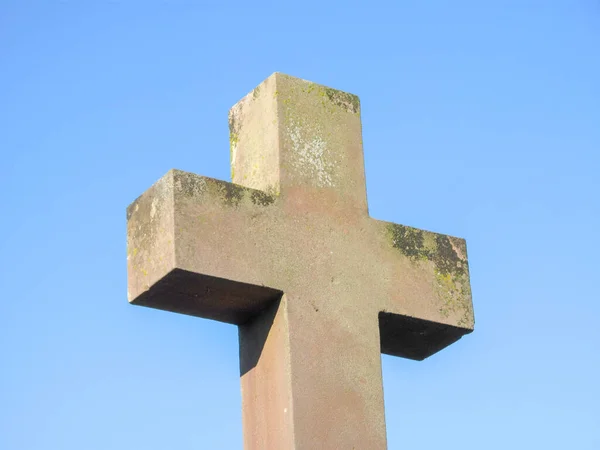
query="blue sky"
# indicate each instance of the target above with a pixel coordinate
(481, 120)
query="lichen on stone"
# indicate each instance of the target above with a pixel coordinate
(410, 241)
(445, 258)
(134, 206)
(233, 140)
(190, 185)
(449, 260)
(349, 102)
(231, 194)
(261, 198)
(310, 152)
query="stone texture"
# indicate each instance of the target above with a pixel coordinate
(289, 253)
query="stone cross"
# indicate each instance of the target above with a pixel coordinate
(289, 253)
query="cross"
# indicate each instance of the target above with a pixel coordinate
(289, 254)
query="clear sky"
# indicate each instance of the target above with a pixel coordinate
(481, 120)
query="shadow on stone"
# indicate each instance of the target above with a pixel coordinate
(253, 336)
(412, 338)
(209, 297)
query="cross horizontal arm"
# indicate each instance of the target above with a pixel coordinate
(177, 216)
(427, 304)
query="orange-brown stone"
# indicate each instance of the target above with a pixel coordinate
(289, 253)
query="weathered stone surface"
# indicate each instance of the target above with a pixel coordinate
(290, 254)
